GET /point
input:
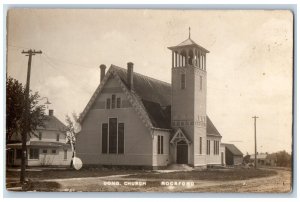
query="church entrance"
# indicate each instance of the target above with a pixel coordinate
(182, 152)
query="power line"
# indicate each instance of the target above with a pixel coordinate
(72, 76)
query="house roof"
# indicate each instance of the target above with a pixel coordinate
(52, 123)
(233, 149)
(155, 96)
(188, 42)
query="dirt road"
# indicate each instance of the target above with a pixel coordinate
(280, 183)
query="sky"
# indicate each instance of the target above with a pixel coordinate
(249, 67)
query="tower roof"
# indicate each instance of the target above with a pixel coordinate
(186, 43)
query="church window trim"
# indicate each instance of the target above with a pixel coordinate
(117, 146)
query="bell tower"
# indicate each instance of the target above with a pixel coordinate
(188, 109)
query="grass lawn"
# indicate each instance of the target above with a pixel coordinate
(70, 173)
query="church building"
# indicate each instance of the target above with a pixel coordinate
(134, 120)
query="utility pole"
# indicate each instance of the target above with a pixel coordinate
(26, 115)
(255, 117)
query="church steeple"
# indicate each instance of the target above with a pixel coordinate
(188, 109)
(189, 53)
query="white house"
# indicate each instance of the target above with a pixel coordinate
(47, 149)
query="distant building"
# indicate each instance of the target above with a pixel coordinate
(47, 149)
(233, 155)
(264, 159)
(135, 120)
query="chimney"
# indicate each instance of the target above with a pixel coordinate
(130, 75)
(51, 111)
(102, 71)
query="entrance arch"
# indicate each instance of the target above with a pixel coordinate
(181, 147)
(182, 152)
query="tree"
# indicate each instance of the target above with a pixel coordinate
(23, 116)
(71, 132)
(283, 159)
(15, 105)
(246, 158)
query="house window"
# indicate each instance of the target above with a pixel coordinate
(121, 138)
(200, 145)
(40, 135)
(182, 81)
(118, 102)
(33, 153)
(113, 101)
(113, 137)
(57, 137)
(160, 144)
(208, 147)
(104, 137)
(108, 103)
(18, 153)
(53, 151)
(65, 154)
(45, 151)
(200, 82)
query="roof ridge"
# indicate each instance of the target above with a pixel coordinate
(142, 75)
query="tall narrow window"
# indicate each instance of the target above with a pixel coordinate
(113, 101)
(182, 81)
(200, 145)
(162, 144)
(200, 82)
(104, 138)
(40, 135)
(108, 103)
(121, 138)
(214, 147)
(158, 144)
(57, 137)
(208, 147)
(112, 136)
(118, 102)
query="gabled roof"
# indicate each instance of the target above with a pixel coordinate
(211, 129)
(154, 95)
(233, 149)
(188, 42)
(179, 136)
(52, 123)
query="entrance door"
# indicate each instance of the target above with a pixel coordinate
(182, 152)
